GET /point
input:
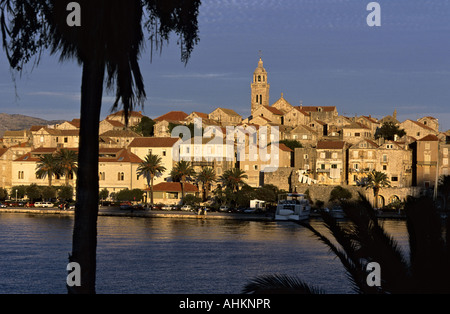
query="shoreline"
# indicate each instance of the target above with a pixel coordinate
(116, 212)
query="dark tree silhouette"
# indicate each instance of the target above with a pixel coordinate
(107, 45)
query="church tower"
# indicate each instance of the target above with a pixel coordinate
(260, 87)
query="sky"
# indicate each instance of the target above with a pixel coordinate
(315, 52)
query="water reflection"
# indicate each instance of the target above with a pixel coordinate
(162, 255)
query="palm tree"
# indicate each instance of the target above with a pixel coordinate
(149, 168)
(206, 177)
(233, 179)
(424, 269)
(68, 162)
(107, 46)
(377, 180)
(47, 167)
(182, 172)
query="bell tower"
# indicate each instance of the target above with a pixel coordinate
(260, 87)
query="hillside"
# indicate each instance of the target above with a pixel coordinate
(15, 122)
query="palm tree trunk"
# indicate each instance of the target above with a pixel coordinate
(67, 178)
(151, 190)
(375, 195)
(50, 179)
(86, 210)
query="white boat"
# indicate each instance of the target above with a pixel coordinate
(292, 206)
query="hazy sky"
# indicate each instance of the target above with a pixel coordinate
(316, 52)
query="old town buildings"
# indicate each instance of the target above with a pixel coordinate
(335, 149)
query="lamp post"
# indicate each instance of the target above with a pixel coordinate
(16, 197)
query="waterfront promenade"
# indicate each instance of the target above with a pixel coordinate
(117, 212)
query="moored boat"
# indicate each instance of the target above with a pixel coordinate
(292, 206)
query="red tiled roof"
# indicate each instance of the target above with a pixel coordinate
(174, 187)
(316, 108)
(173, 116)
(76, 123)
(201, 115)
(274, 110)
(154, 142)
(115, 123)
(330, 144)
(283, 147)
(429, 138)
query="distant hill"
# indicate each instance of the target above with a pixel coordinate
(16, 122)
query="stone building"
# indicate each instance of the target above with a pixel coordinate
(283, 105)
(48, 137)
(427, 161)
(296, 117)
(225, 117)
(162, 123)
(355, 131)
(416, 129)
(331, 162)
(303, 134)
(395, 159)
(322, 113)
(11, 138)
(430, 122)
(134, 117)
(362, 159)
(270, 113)
(160, 146)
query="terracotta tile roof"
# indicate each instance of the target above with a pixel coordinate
(57, 132)
(200, 114)
(283, 147)
(115, 123)
(274, 110)
(3, 151)
(173, 116)
(76, 123)
(316, 108)
(229, 112)
(34, 128)
(429, 138)
(303, 111)
(120, 133)
(420, 124)
(154, 142)
(174, 187)
(330, 145)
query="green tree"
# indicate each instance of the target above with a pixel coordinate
(145, 127)
(233, 179)
(65, 192)
(377, 180)
(338, 193)
(3, 194)
(103, 194)
(48, 192)
(292, 144)
(182, 172)
(207, 176)
(67, 161)
(33, 192)
(388, 131)
(47, 167)
(150, 167)
(107, 46)
(21, 192)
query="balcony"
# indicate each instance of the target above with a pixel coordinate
(426, 163)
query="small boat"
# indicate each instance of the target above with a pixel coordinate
(292, 206)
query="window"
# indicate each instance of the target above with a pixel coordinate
(259, 78)
(322, 155)
(66, 139)
(356, 166)
(385, 158)
(357, 134)
(305, 156)
(334, 155)
(305, 136)
(445, 161)
(394, 179)
(101, 176)
(334, 166)
(255, 167)
(322, 166)
(120, 176)
(445, 151)
(384, 167)
(20, 175)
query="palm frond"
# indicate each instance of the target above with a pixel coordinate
(279, 284)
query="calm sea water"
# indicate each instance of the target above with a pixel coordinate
(173, 256)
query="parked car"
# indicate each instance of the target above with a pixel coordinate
(125, 205)
(44, 204)
(223, 209)
(2, 205)
(138, 207)
(186, 208)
